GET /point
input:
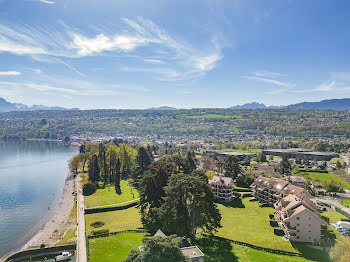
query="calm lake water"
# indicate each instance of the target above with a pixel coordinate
(32, 175)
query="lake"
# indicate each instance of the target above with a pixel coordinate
(32, 175)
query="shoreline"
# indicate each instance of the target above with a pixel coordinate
(57, 225)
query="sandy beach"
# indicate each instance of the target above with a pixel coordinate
(60, 221)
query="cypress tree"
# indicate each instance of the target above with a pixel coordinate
(117, 176)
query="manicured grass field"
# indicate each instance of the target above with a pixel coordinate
(108, 196)
(114, 248)
(326, 177)
(224, 251)
(242, 224)
(251, 225)
(115, 220)
(333, 216)
(346, 202)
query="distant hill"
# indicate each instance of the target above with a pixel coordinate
(330, 104)
(162, 108)
(253, 105)
(6, 106)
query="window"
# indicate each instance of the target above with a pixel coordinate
(297, 237)
(298, 225)
(298, 230)
(298, 218)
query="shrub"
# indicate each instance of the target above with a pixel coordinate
(89, 189)
(100, 232)
(97, 224)
(278, 232)
(273, 223)
(42, 246)
(236, 194)
(271, 216)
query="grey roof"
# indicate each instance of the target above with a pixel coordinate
(226, 153)
(159, 233)
(192, 252)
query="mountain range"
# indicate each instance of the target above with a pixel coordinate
(162, 108)
(6, 106)
(330, 104)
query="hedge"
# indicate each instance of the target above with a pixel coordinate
(91, 236)
(278, 232)
(342, 212)
(247, 195)
(242, 190)
(108, 209)
(273, 223)
(101, 232)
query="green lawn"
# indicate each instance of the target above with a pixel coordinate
(336, 159)
(237, 224)
(251, 225)
(108, 196)
(114, 248)
(333, 216)
(224, 251)
(346, 202)
(325, 177)
(115, 220)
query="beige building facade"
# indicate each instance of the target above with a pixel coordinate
(222, 187)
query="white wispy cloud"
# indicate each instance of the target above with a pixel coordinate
(179, 60)
(337, 82)
(89, 46)
(10, 73)
(47, 2)
(153, 61)
(270, 81)
(71, 88)
(269, 74)
(40, 87)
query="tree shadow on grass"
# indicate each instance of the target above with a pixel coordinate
(311, 253)
(216, 250)
(235, 203)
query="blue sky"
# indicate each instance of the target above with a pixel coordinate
(140, 54)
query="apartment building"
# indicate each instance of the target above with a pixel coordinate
(296, 214)
(222, 187)
(270, 190)
(299, 219)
